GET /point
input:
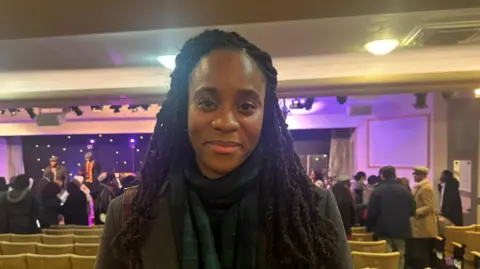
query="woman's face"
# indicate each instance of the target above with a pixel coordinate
(225, 115)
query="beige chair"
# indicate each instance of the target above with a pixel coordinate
(363, 260)
(360, 229)
(35, 261)
(57, 239)
(13, 261)
(82, 262)
(5, 237)
(362, 236)
(10, 248)
(54, 249)
(368, 246)
(79, 239)
(86, 249)
(89, 232)
(58, 231)
(26, 238)
(455, 234)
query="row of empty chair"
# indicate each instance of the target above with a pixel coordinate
(34, 261)
(9, 248)
(459, 245)
(98, 231)
(367, 253)
(50, 239)
(69, 226)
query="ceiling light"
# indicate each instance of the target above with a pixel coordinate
(477, 92)
(116, 108)
(167, 60)
(381, 46)
(77, 111)
(96, 108)
(31, 113)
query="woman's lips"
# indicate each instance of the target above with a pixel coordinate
(223, 147)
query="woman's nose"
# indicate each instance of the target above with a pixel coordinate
(226, 121)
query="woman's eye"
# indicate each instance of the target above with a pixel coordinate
(206, 104)
(248, 106)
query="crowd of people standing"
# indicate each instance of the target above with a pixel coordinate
(416, 220)
(27, 205)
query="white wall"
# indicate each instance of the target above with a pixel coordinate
(404, 137)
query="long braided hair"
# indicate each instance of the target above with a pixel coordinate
(297, 237)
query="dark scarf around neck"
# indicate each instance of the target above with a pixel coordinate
(234, 197)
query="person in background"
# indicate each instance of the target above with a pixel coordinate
(106, 192)
(424, 224)
(3, 184)
(59, 171)
(49, 200)
(76, 208)
(359, 186)
(405, 183)
(450, 200)
(90, 171)
(389, 210)
(20, 207)
(317, 178)
(128, 181)
(346, 202)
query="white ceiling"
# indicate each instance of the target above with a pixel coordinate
(319, 54)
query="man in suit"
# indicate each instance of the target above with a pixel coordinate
(60, 172)
(424, 224)
(91, 169)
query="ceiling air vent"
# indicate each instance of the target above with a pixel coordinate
(444, 33)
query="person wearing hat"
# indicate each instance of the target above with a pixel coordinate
(424, 224)
(91, 169)
(60, 172)
(20, 208)
(345, 201)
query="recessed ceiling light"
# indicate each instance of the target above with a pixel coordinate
(381, 46)
(167, 60)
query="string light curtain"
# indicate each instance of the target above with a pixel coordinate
(117, 153)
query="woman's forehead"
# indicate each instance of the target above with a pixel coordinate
(226, 65)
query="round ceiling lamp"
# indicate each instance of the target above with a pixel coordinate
(382, 46)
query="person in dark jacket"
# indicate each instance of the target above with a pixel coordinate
(20, 207)
(106, 192)
(76, 206)
(3, 184)
(49, 188)
(389, 210)
(59, 171)
(346, 202)
(128, 182)
(450, 200)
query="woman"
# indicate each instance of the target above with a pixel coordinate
(405, 183)
(359, 186)
(106, 191)
(49, 188)
(221, 186)
(317, 178)
(21, 208)
(346, 202)
(76, 208)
